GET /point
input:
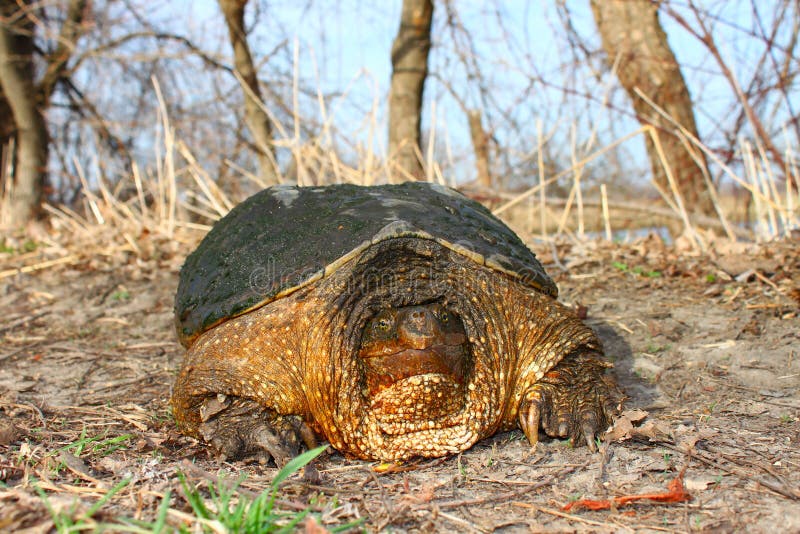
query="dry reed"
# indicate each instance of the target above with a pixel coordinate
(177, 199)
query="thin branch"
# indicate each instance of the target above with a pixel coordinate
(705, 37)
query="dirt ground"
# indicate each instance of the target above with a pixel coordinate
(707, 345)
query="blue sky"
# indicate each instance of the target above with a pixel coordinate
(345, 44)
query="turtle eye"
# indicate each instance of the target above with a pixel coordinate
(383, 324)
(444, 317)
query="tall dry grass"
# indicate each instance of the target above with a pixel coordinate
(177, 200)
(770, 204)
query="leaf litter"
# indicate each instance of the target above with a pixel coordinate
(706, 346)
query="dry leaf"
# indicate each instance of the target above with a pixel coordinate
(9, 432)
(699, 483)
(687, 437)
(629, 425)
(654, 431)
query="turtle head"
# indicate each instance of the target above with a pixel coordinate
(410, 366)
(415, 360)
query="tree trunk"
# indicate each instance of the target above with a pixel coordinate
(480, 145)
(257, 120)
(409, 69)
(632, 34)
(23, 188)
(6, 120)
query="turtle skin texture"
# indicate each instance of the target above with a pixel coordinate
(408, 349)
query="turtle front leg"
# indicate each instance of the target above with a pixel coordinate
(239, 428)
(240, 387)
(576, 399)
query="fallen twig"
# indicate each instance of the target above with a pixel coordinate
(509, 494)
(676, 492)
(72, 258)
(558, 513)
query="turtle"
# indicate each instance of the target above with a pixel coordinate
(393, 321)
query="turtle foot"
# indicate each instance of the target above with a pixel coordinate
(574, 400)
(240, 429)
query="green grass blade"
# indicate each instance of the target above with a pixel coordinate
(161, 518)
(289, 527)
(194, 499)
(296, 463)
(96, 506)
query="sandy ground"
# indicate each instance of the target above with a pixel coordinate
(707, 346)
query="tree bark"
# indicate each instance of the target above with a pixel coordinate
(257, 120)
(23, 188)
(633, 36)
(409, 70)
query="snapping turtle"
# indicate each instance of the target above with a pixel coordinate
(394, 321)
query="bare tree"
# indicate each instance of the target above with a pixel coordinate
(782, 75)
(24, 187)
(480, 144)
(632, 35)
(257, 120)
(7, 127)
(79, 52)
(409, 70)
(464, 48)
(29, 99)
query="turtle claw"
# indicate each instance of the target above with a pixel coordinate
(529, 422)
(588, 430)
(575, 400)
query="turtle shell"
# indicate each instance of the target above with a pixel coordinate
(286, 237)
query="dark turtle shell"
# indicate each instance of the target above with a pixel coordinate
(286, 237)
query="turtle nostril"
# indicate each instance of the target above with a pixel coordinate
(421, 319)
(417, 321)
